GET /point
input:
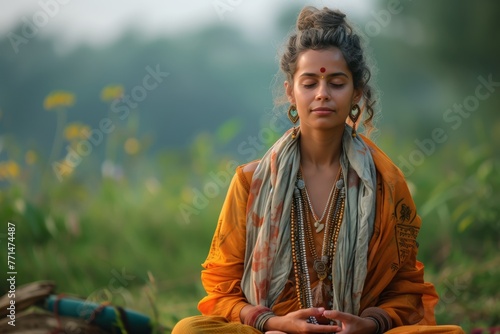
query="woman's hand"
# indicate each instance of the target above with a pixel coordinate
(351, 324)
(296, 323)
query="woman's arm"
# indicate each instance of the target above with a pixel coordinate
(223, 267)
(403, 297)
(395, 279)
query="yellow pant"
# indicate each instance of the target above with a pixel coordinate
(219, 325)
(211, 325)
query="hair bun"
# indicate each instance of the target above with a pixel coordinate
(325, 19)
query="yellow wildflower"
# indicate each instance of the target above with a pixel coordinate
(9, 170)
(111, 93)
(65, 168)
(58, 99)
(76, 131)
(132, 146)
(30, 157)
(20, 205)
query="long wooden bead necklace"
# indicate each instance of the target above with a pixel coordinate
(301, 230)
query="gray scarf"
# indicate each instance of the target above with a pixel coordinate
(268, 257)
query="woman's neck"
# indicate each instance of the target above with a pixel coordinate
(320, 148)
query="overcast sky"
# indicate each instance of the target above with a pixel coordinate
(98, 22)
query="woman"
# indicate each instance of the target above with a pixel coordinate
(319, 236)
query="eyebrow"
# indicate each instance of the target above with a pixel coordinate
(336, 74)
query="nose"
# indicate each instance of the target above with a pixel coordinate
(323, 92)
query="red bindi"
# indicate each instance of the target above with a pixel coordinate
(322, 70)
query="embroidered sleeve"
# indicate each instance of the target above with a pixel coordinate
(395, 278)
(402, 297)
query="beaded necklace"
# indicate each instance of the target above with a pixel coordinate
(301, 229)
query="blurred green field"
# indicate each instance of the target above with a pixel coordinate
(137, 236)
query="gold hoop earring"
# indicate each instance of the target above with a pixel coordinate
(293, 115)
(354, 118)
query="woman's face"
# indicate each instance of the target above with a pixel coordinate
(322, 90)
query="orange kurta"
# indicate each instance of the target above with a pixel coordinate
(394, 279)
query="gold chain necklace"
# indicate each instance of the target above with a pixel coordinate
(318, 222)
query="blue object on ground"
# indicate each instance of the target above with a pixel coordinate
(106, 318)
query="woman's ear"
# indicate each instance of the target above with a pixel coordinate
(356, 97)
(289, 92)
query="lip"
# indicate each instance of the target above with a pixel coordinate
(322, 111)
